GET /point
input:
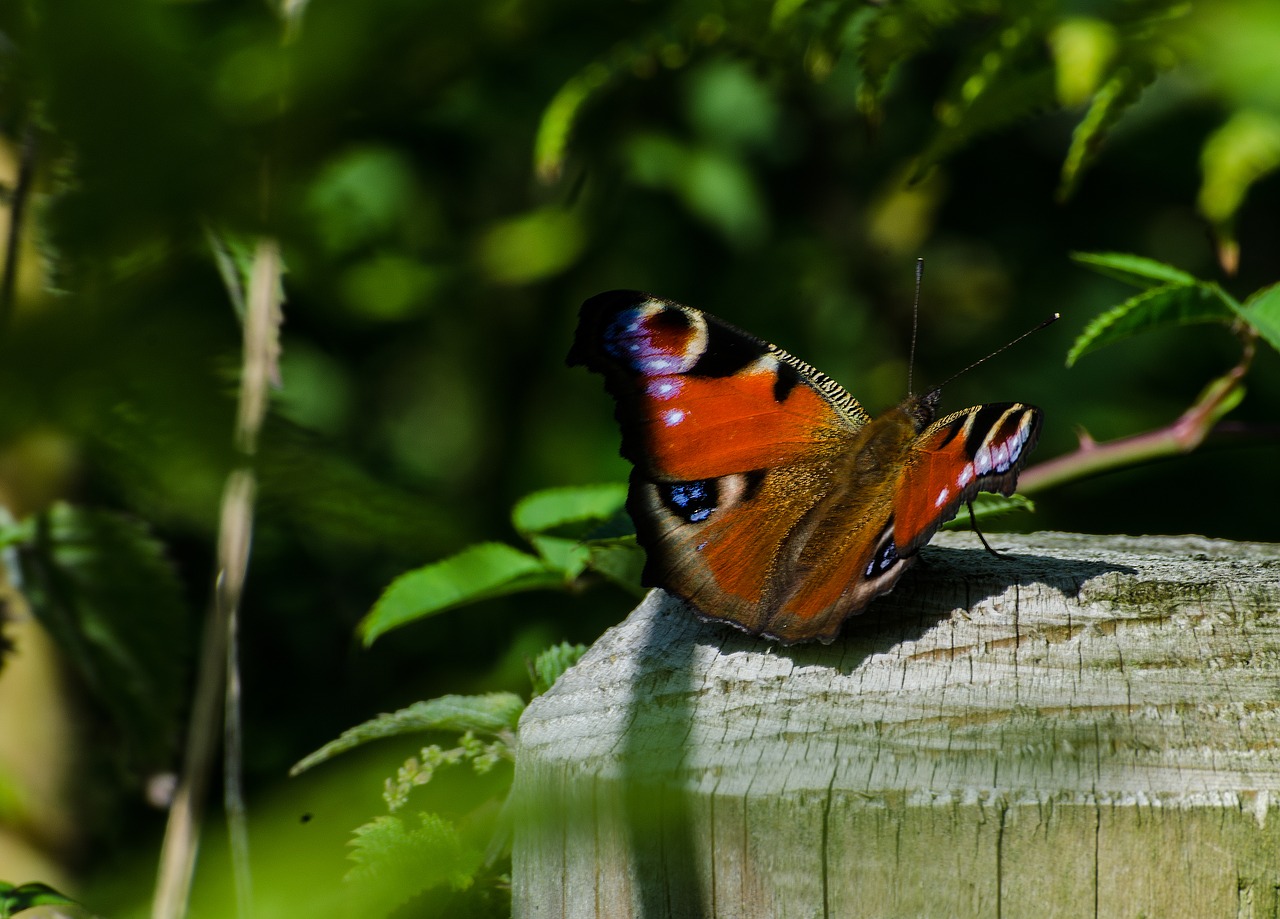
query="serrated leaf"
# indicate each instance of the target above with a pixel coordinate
(1112, 100)
(1170, 305)
(557, 507)
(488, 714)
(988, 506)
(1134, 269)
(1262, 311)
(480, 572)
(394, 861)
(553, 662)
(101, 585)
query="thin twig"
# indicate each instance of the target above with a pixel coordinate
(218, 681)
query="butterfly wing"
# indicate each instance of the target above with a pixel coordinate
(740, 452)
(762, 493)
(978, 449)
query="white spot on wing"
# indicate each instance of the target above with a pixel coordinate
(982, 460)
(965, 476)
(673, 416)
(942, 497)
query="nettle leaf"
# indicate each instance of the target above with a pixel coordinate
(1115, 97)
(480, 572)
(101, 584)
(1134, 269)
(553, 662)
(395, 861)
(1262, 312)
(1168, 305)
(988, 506)
(490, 714)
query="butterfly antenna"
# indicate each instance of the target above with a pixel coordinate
(1048, 322)
(915, 323)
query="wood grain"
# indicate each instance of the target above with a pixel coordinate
(1089, 727)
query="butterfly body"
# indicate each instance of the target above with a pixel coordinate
(763, 494)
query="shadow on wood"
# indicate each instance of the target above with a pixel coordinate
(1089, 728)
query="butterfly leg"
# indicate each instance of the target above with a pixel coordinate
(973, 522)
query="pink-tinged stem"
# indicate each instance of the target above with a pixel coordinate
(1184, 435)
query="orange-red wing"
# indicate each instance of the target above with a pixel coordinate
(698, 398)
(977, 449)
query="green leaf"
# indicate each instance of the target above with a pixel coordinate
(103, 587)
(551, 145)
(553, 662)
(1134, 269)
(573, 512)
(988, 506)
(29, 897)
(620, 560)
(394, 862)
(488, 714)
(1108, 104)
(557, 507)
(1262, 311)
(1235, 157)
(479, 572)
(1170, 305)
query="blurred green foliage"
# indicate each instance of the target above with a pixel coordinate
(449, 181)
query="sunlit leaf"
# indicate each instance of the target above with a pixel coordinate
(557, 507)
(1083, 48)
(1234, 158)
(1262, 311)
(487, 714)
(395, 860)
(551, 144)
(1169, 305)
(479, 572)
(1134, 269)
(553, 662)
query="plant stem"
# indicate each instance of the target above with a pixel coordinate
(1185, 434)
(218, 681)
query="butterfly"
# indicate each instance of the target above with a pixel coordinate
(763, 494)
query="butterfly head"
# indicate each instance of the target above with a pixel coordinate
(922, 409)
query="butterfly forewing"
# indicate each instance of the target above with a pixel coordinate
(698, 398)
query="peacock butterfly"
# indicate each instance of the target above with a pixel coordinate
(762, 493)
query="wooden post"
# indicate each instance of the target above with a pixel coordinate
(1089, 727)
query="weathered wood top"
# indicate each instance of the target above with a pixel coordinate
(1078, 665)
(1088, 727)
